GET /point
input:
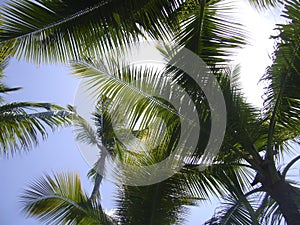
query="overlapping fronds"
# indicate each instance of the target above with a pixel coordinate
(22, 124)
(209, 30)
(161, 203)
(135, 106)
(282, 102)
(265, 4)
(58, 31)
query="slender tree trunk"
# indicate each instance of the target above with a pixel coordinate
(286, 196)
(99, 177)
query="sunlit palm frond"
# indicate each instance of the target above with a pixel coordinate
(51, 31)
(23, 123)
(61, 200)
(134, 99)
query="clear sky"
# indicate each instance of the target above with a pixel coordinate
(53, 83)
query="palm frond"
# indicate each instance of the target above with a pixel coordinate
(219, 179)
(58, 31)
(4, 60)
(244, 135)
(84, 132)
(264, 4)
(134, 100)
(208, 30)
(233, 211)
(161, 203)
(282, 103)
(269, 212)
(289, 165)
(24, 122)
(61, 200)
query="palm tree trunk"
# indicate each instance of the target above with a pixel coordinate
(99, 177)
(286, 196)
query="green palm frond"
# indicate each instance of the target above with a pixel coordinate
(61, 200)
(244, 136)
(219, 179)
(282, 103)
(165, 202)
(84, 132)
(51, 31)
(208, 30)
(134, 104)
(245, 127)
(161, 203)
(23, 123)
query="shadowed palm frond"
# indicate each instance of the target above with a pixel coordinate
(244, 136)
(236, 209)
(282, 98)
(4, 60)
(209, 30)
(161, 203)
(253, 207)
(265, 4)
(165, 202)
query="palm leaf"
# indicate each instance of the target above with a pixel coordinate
(22, 124)
(51, 31)
(161, 203)
(234, 211)
(208, 30)
(282, 105)
(133, 99)
(61, 200)
(4, 60)
(264, 4)
(244, 136)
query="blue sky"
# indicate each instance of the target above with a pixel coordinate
(54, 83)
(59, 153)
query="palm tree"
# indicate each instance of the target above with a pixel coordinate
(244, 124)
(252, 140)
(260, 142)
(139, 205)
(163, 203)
